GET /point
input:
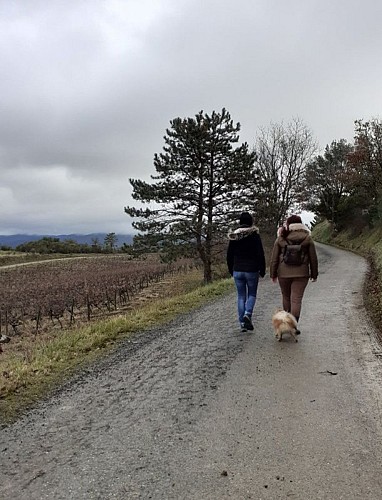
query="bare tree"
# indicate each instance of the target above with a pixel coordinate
(282, 151)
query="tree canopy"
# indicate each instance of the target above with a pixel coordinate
(365, 167)
(282, 151)
(201, 174)
(344, 184)
(326, 183)
(204, 178)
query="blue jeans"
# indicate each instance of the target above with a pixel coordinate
(246, 285)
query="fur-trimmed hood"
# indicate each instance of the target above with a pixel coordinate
(298, 232)
(242, 232)
(298, 227)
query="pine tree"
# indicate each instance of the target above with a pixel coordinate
(110, 242)
(199, 181)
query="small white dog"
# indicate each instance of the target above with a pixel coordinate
(284, 322)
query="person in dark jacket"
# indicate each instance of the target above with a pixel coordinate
(246, 262)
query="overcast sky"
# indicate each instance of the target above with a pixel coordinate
(88, 88)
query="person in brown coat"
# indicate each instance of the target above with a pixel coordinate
(293, 278)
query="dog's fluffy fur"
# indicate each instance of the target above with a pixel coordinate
(284, 322)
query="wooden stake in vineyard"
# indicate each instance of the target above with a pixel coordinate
(88, 307)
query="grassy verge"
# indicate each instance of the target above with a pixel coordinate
(41, 363)
(368, 243)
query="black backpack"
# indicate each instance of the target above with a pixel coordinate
(293, 255)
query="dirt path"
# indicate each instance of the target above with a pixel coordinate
(199, 410)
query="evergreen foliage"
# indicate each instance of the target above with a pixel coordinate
(365, 168)
(110, 242)
(200, 179)
(50, 245)
(53, 245)
(326, 187)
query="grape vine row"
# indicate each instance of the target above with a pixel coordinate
(62, 293)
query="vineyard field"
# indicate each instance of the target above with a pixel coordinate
(64, 292)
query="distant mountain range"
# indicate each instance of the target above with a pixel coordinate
(14, 240)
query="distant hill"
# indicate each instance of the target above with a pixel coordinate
(14, 240)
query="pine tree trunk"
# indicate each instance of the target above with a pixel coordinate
(207, 271)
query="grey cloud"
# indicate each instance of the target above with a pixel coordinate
(88, 88)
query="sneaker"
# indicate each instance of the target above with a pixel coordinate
(242, 327)
(298, 332)
(247, 322)
(4, 339)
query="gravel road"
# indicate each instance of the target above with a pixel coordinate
(198, 410)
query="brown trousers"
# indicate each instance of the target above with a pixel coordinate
(292, 290)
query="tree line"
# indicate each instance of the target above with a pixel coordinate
(52, 245)
(344, 185)
(204, 178)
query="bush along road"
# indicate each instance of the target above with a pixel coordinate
(199, 410)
